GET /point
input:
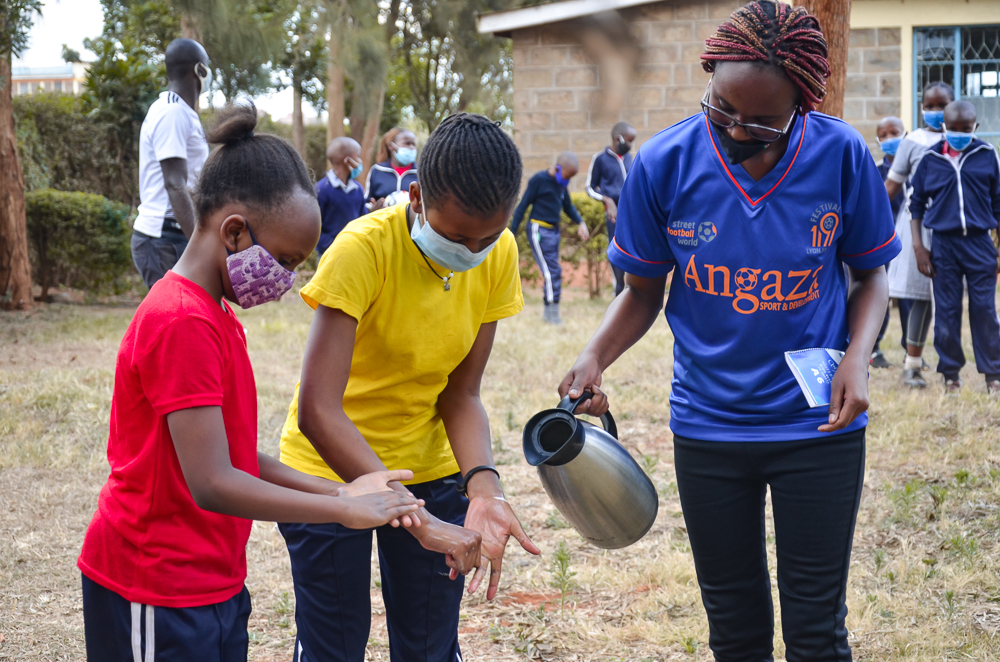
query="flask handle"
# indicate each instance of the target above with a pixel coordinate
(607, 420)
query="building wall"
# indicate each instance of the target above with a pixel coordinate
(557, 88)
(872, 90)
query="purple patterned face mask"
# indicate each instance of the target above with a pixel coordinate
(256, 276)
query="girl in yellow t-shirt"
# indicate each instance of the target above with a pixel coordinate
(407, 301)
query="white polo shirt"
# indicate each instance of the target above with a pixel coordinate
(171, 130)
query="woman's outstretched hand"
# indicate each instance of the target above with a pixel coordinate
(585, 375)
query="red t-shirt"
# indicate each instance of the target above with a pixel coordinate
(148, 540)
(401, 169)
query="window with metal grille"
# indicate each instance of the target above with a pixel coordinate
(968, 59)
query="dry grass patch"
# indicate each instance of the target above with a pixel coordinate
(924, 579)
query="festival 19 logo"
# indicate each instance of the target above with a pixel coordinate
(823, 225)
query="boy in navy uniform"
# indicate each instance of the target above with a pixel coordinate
(548, 196)
(956, 193)
(341, 198)
(606, 178)
(890, 132)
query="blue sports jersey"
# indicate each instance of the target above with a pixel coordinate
(759, 267)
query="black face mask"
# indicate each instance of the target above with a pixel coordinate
(621, 147)
(738, 152)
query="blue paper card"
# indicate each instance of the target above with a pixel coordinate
(814, 370)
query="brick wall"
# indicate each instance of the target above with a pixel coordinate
(872, 91)
(557, 87)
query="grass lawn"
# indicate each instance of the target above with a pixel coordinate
(925, 577)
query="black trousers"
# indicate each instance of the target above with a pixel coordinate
(815, 491)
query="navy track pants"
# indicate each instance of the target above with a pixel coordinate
(545, 247)
(117, 630)
(975, 257)
(815, 491)
(331, 568)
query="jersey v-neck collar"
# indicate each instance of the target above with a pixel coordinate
(767, 183)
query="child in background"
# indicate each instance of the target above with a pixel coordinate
(407, 302)
(605, 179)
(890, 133)
(164, 558)
(341, 199)
(956, 193)
(548, 196)
(394, 170)
(905, 280)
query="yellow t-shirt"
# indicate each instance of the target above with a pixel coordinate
(411, 335)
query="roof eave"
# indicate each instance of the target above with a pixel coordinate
(503, 23)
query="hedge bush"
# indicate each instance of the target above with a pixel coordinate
(79, 240)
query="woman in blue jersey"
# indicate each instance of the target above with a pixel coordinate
(760, 203)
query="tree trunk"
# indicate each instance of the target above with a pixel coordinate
(835, 19)
(334, 93)
(15, 270)
(189, 28)
(298, 124)
(369, 139)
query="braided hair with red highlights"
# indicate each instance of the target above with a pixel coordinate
(774, 33)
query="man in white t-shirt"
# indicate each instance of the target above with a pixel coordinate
(172, 151)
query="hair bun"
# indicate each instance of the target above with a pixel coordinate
(233, 124)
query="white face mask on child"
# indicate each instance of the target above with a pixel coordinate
(447, 253)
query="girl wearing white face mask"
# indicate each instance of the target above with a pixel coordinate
(407, 301)
(395, 169)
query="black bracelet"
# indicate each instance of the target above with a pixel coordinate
(462, 486)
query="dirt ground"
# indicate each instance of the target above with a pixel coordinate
(925, 578)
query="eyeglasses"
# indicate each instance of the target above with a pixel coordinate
(723, 120)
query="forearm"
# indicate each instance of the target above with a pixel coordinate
(276, 473)
(892, 188)
(468, 429)
(237, 493)
(866, 307)
(626, 321)
(338, 441)
(916, 229)
(183, 207)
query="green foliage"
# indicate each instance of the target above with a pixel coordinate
(70, 55)
(61, 147)
(444, 61)
(16, 19)
(303, 59)
(562, 576)
(123, 82)
(80, 240)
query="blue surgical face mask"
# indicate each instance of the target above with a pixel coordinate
(406, 155)
(447, 253)
(356, 171)
(562, 181)
(890, 145)
(959, 141)
(933, 118)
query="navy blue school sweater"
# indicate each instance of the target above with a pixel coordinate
(883, 168)
(383, 180)
(957, 197)
(547, 198)
(607, 173)
(339, 204)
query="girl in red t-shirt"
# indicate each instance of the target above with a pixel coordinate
(164, 559)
